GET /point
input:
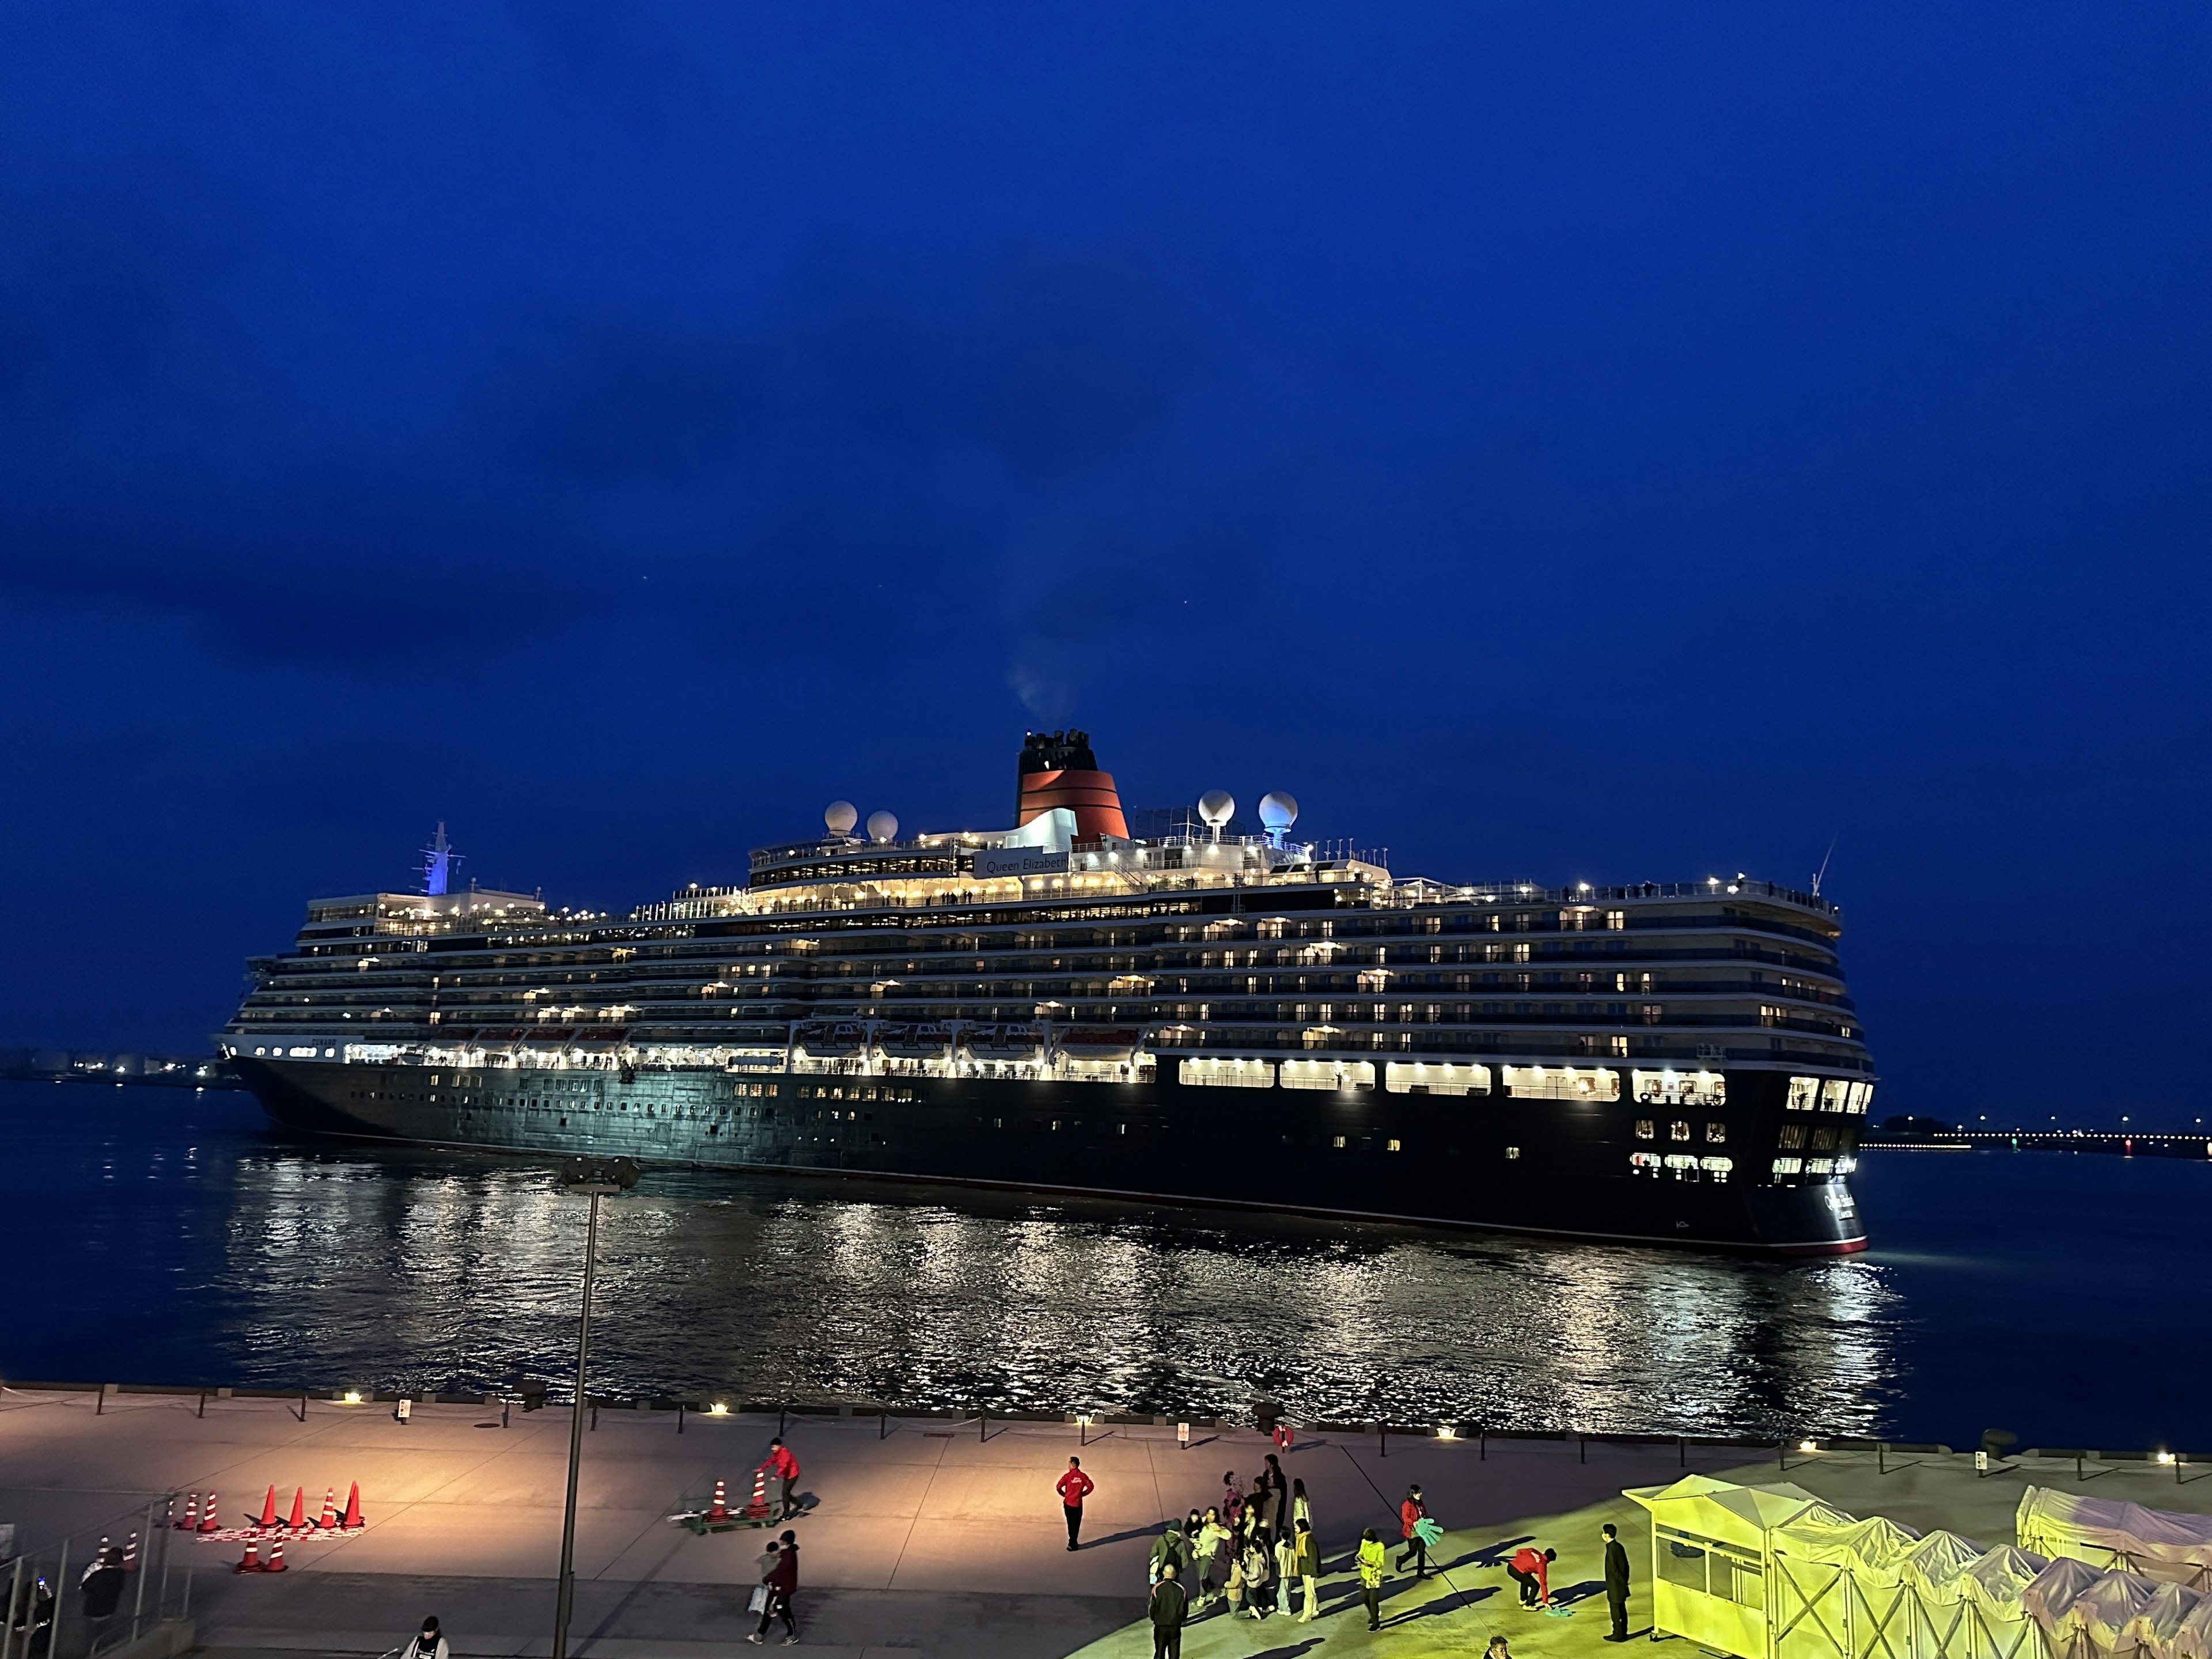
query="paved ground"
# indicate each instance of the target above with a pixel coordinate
(930, 1540)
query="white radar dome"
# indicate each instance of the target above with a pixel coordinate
(1277, 812)
(882, 826)
(841, 816)
(1217, 806)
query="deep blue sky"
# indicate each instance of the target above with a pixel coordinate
(1598, 441)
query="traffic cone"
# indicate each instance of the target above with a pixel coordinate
(757, 1509)
(253, 1561)
(720, 1509)
(269, 1507)
(191, 1522)
(208, 1522)
(276, 1563)
(130, 1554)
(330, 1509)
(299, 1521)
(353, 1522)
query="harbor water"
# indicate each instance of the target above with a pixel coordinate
(169, 1237)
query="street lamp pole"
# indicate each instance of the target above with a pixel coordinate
(594, 1178)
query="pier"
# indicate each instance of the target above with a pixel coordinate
(919, 1536)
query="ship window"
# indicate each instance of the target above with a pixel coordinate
(1328, 1074)
(1788, 1166)
(1644, 1164)
(1832, 1093)
(1716, 1133)
(1616, 919)
(1392, 1146)
(1435, 1077)
(1228, 1074)
(1512, 1151)
(1678, 1130)
(1673, 1087)
(1338, 1143)
(1563, 1082)
(1861, 1097)
(1793, 1134)
(1645, 1129)
(1803, 1091)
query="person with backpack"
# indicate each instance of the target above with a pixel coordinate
(1171, 1548)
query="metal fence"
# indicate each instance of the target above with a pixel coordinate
(81, 1595)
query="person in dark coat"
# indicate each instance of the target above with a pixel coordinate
(1171, 1601)
(782, 1582)
(102, 1584)
(1616, 1584)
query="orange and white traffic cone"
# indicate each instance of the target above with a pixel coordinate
(353, 1523)
(276, 1562)
(757, 1509)
(191, 1522)
(130, 1554)
(720, 1509)
(299, 1521)
(269, 1509)
(208, 1522)
(330, 1509)
(251, 1563)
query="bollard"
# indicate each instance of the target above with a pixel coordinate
(982, 1424)
(303, 1408)
(1482, 1447)
(1881, 1457)
(780, 1411)
(1382, 1438)
(1681, 1452)
(882, 1425)
(100, 1400)
(1581, 1449)
(595, 1416)
(680, 1417)
(202, 1410)
(505, 1407)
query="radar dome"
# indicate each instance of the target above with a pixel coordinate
(1217, 806)
(882, 826)
(1277, 812)
(841, 816)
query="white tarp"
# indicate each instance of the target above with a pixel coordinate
(2193, 1639)
(1998, 1582)
(1873, 1551)
(1940, 1567)
(2110, 1532)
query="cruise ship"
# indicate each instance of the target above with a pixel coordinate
(1161, 1010)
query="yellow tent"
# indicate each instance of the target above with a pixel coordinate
(1709, 1553)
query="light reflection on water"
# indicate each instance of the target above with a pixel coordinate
(769, 1286)
(195, 1246)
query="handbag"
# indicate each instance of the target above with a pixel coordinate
(759, 1603)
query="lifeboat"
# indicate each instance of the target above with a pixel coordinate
(914, 1041)
(823, 1039)
(1004, 1041)
(1098, 1041)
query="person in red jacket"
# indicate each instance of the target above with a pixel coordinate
(783, 1466)
(1533, 1572)
(1417, 1549)
(1074, 1486)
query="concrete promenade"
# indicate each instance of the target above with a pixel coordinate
(929, 1541)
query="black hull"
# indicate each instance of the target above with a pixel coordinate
(1549, 1167)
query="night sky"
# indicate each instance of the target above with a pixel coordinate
(1603, 441)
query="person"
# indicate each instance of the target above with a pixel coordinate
(1232, 1499)
(1234, 1590)
(1533, 1572)
(1305, 1562)
(1616, 1583)
(102, 1583)
(1074, 1486)
(782, 1466)
(1300, 1508)
(1372, 1560)
(1286, 1568)
(1411, 1514)
(782, 1584)
(430, 1644)
(1170, 1549)
(1169, 1603)
(1259, 1575)
(1212, 1541)
(1279, 1497)
(1498, 1649)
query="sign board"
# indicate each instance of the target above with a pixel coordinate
(992, 861)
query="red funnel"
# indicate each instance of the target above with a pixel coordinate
(1057, 768)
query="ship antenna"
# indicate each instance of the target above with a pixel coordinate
(437, 863)
(1823, 870)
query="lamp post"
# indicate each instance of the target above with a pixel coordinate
(593, 1178)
